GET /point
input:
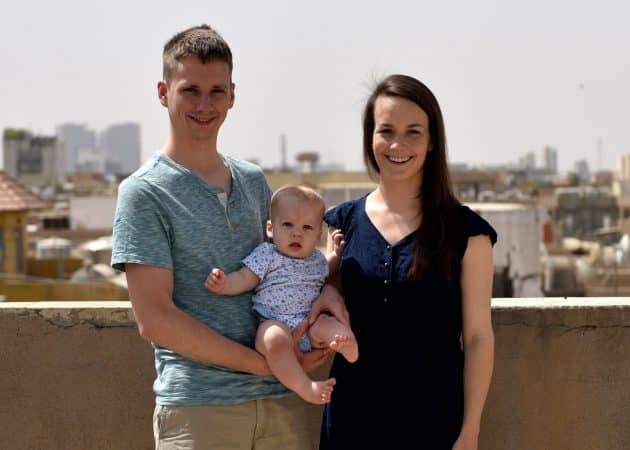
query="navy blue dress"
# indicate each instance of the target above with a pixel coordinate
(406, 390)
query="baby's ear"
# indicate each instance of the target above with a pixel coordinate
(269, 230)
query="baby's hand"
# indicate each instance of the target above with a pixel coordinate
(338, 242)
(215, 281)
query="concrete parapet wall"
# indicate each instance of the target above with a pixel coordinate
(562, 375)
(76, 375)
(24, 289)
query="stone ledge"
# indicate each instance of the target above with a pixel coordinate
(560, 302)
(68, 314)
(569, 313)
(573, 313)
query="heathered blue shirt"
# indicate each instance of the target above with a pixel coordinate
(168, 217)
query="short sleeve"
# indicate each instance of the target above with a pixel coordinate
(265, 204)
(475, 225)
(141, 232)
(259, 260)
(339, 216)
(321, 263)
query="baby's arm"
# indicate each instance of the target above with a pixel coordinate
(233, 283)
(334, 256)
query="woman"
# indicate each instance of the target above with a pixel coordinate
(416, 276)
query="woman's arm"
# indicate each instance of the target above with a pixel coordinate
(330, 299)
(478, 337)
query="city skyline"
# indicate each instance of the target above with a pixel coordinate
(511, 78)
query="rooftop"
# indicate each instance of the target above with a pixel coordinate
(14, 196)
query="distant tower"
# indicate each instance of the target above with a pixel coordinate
(34, 160)
(600, 151)
(121, 148)
(624, 167)
(80, 144)
(527, 161)
(551, 160)
(582, 170)
(308, 160)
(283, 153)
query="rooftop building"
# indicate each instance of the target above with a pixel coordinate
(34, 160)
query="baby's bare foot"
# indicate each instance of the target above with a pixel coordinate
(318, 392)
(347, 346)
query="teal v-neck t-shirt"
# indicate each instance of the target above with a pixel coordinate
(168, 217)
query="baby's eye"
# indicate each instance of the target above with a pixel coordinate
(308, 227)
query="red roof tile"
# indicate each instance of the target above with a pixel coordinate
(14, 196)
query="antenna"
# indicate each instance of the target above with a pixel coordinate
(283, 153)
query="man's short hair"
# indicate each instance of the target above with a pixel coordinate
(201, 41)
(302, 193)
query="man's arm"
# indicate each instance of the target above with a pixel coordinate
(161, 322)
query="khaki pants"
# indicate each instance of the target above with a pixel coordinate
(287, 423)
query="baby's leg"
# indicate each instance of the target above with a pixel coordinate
(328, 331)
(274, 341)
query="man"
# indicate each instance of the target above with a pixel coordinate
(186, 210)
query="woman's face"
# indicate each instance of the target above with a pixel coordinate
(401, 139)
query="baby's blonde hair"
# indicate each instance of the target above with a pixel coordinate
(299, 192)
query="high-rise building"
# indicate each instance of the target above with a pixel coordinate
(527, 161)
(82, 154)
(624, 167)
(582, 170)
(120, 145)
(550, 156)
(34, 160)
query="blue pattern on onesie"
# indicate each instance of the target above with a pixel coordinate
(288, 286)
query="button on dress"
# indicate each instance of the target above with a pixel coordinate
(406, 389)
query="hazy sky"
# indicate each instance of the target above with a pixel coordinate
(511, 77)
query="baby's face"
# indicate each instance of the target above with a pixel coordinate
(296, 227)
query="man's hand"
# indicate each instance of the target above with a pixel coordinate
(329, 301)
(215, 282)
(313, 359)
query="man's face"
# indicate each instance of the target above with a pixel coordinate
(198, 97)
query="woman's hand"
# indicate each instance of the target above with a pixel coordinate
(329, 301)
(466, 441)
(313, 359)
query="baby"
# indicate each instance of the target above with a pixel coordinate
(287, 276)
